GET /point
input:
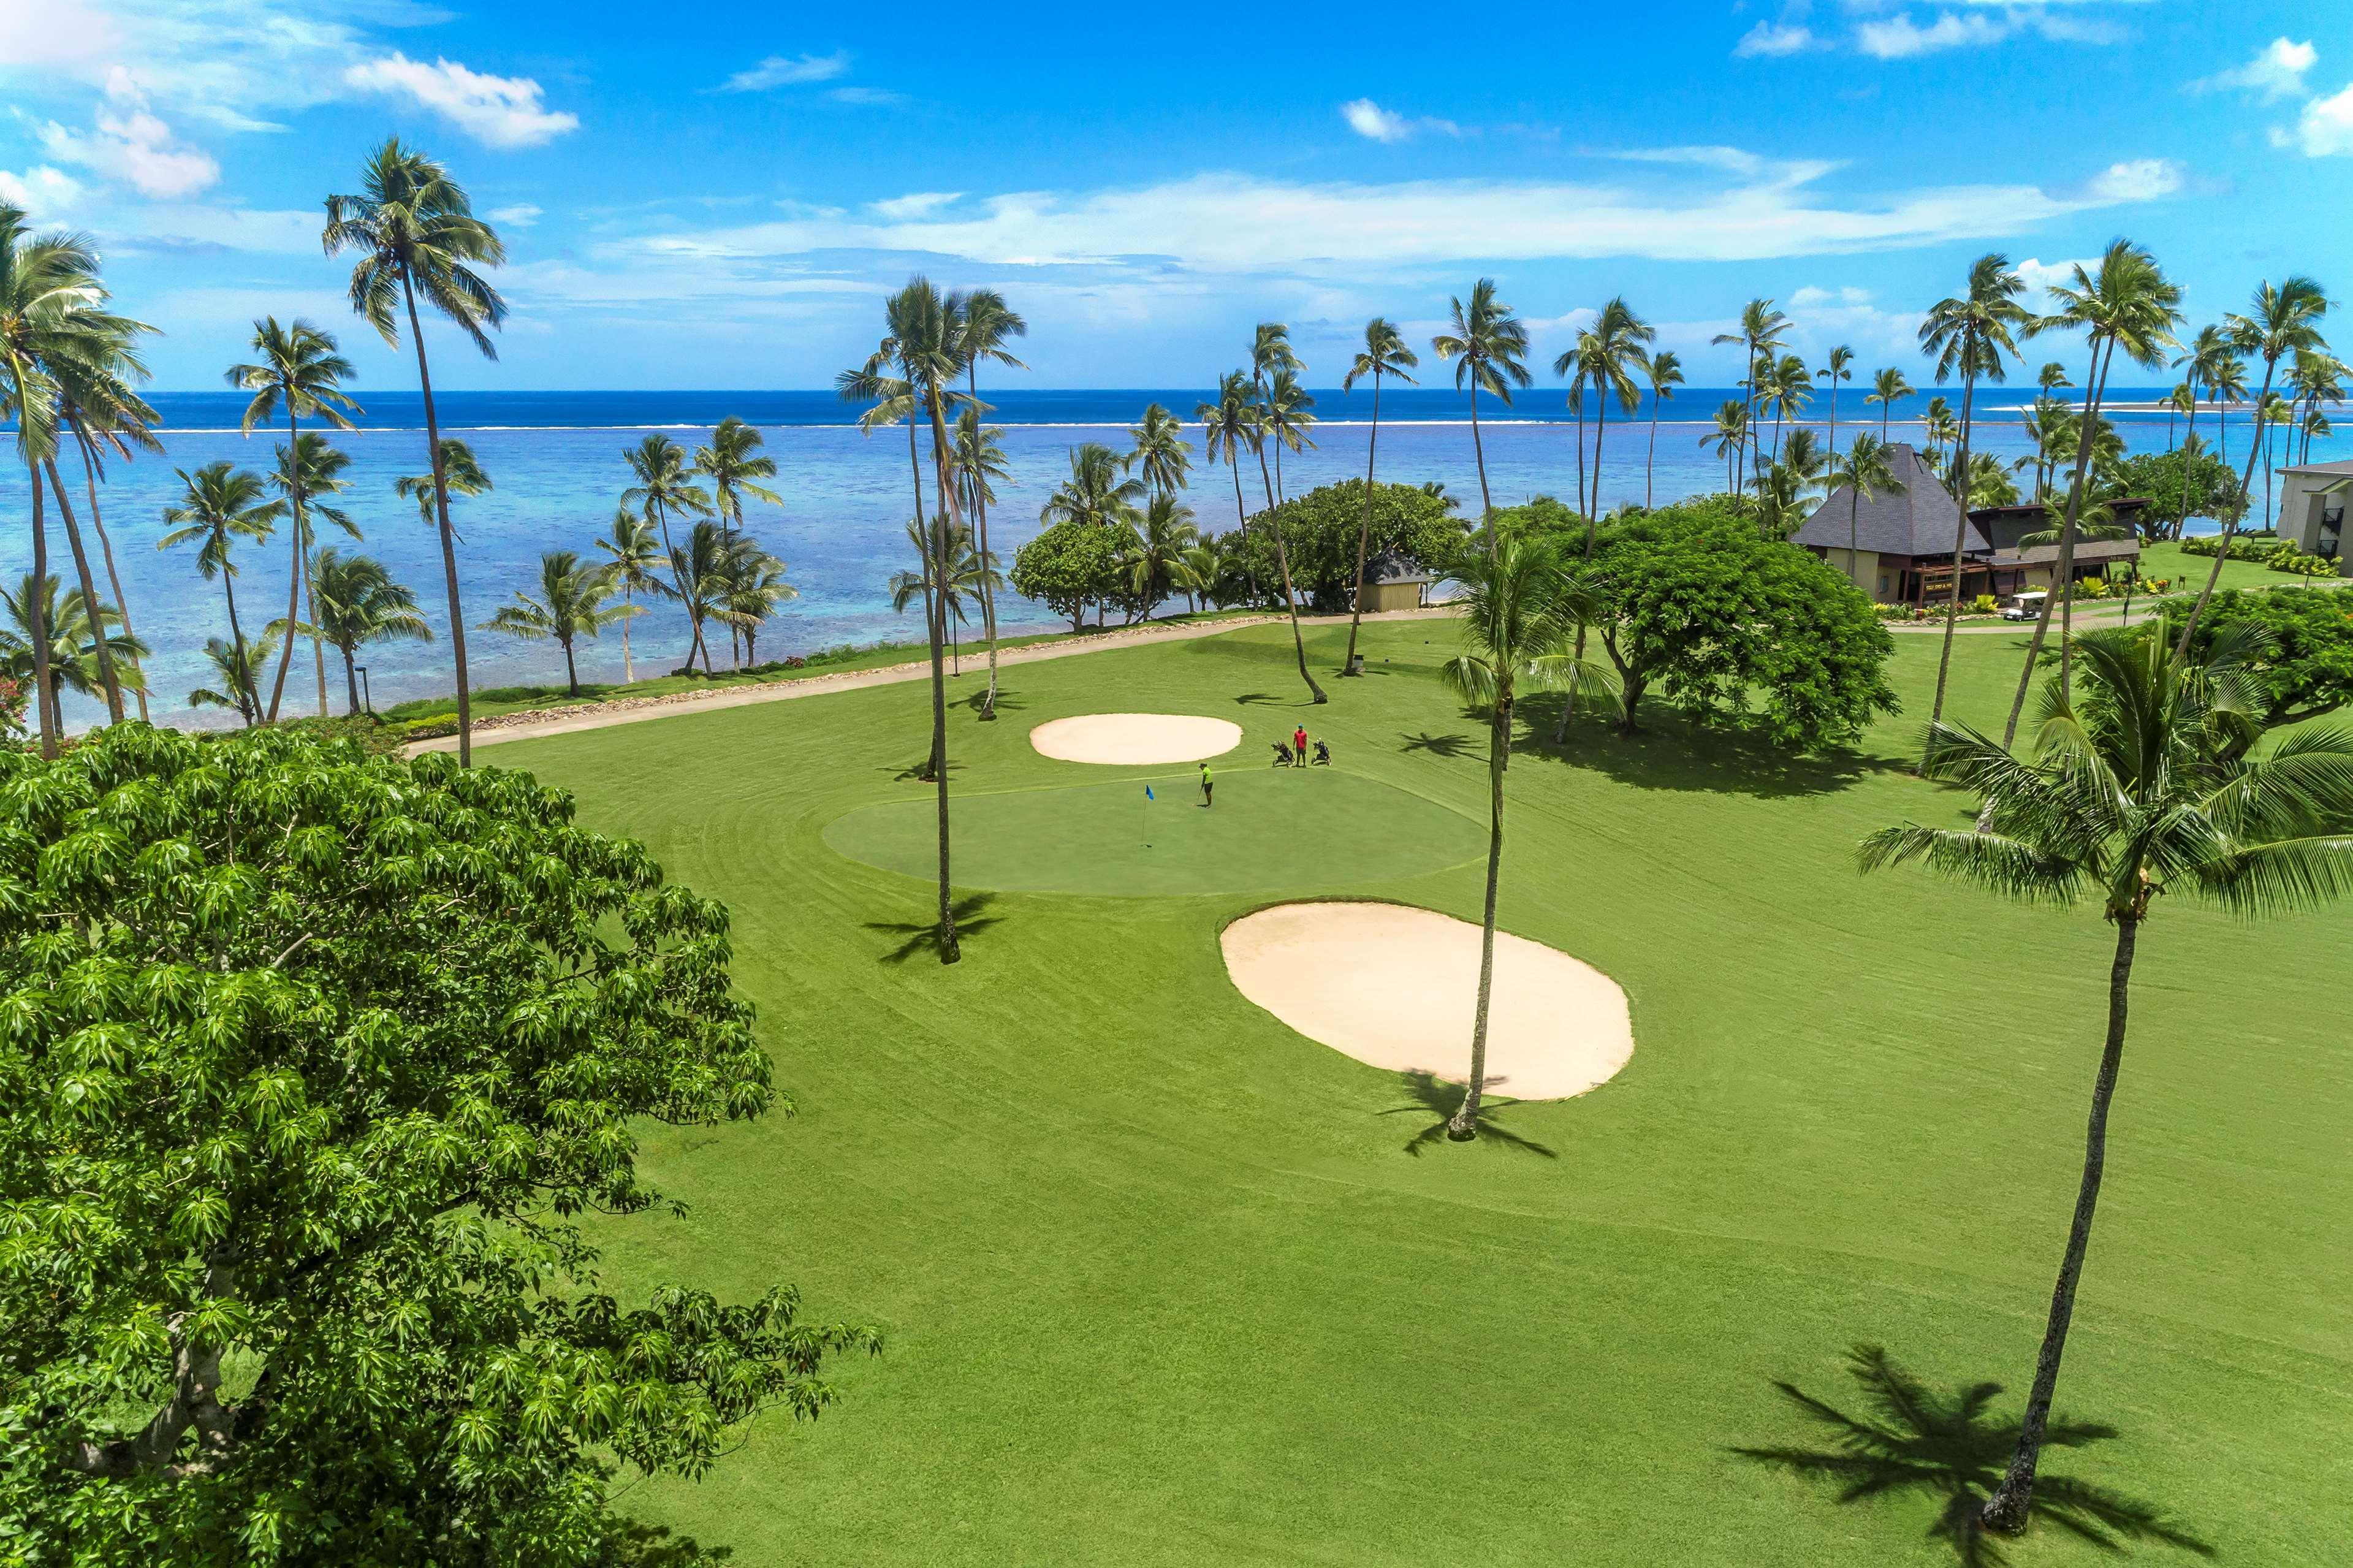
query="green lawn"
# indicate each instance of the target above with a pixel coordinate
(1162, 1285)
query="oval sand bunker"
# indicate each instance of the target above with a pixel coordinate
(1397, 988)
(1128, 738)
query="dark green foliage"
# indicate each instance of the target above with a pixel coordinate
(2306, 663)
(1320, 530)
(2214, 488)
(1734, 627)
(309, 1061)
(1069, 568)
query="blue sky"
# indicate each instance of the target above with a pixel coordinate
(718, 196)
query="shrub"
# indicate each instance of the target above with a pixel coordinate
(1068, 567)
(2304, 565)
(1985, 604)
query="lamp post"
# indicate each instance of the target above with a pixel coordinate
(368, 700)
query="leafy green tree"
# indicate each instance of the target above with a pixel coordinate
(2190, 475)
(1321, 530)
(1736, 628)
(571, 605)
(1520, 608)
(221, 505)
(1487, 344)
(356, 602)
(416, 232)
(298, 367)
(2296, 647)
(1385, 353)
(315, 1058)
(1067, 567)
(2143, 781)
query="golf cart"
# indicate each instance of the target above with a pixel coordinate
(2025, 606)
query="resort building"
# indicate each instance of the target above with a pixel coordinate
(1897, 545)
(1391, 582)
(2311, 508)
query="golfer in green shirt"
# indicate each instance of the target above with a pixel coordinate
(1207, 784)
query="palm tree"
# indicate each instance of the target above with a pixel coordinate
(320, 475)
(96, 402)
(571, 605)
(1888, 388)
(356, 602)
(76, 646)
(1271, 353)
(1664, 370)
(962, 575)
(1488, 343)
(1933, 425)
(1605, 358)
(755, 587)
(1790, 388)
(1288, 419)
(1096, 492)
(240, 678)
(1731, 430)
(1160, 451)
(1866, 470)
(2227, 384)
(1385, 353)
(990, 324)
(1521, 607)
(2202, 359)
(415, 231)
(665, 489)
(458, 473)
(1971, 333)
(637, 562)
(734, 465)
(702, 573)
(298, 367)
(221, 505)
(2318, 378)
(910, 375)
(2128, 304)
(1162, 535)
(1839, 367)
(2141, 784)
(1759, 335)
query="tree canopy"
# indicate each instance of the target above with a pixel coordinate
(1736, 627)
(2213, 488)
(1320, 530)
(310, 1061)
(2304, 659)
(1068, 567)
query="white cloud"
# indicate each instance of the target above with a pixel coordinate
(879, 97)
(523, 215)
(134, 147)
(1900, 37)
(1810, 297)
(2042, 277)
(1368, 118)
(788, 70)
(497, 111)
(2140, 179)
(1774, 38)
(2325, 127)
(917, 203)
(45, 193)
(2277, 71)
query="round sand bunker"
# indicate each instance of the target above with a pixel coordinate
(1397, 988)
(1128, 738)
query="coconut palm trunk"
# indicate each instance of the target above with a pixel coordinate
(105, 550)
(2230, 524)
(1479, 453)
(628, 666)
(1465, 1122)
(1283, 566)
(294, 584)
(1600, 429)
(1363, 533)
(2188, 452)
(937, 606)
(1581, 502)
(99, 639)
(1961, 543)
(1650, 461)
(988, 592)
(448, 535)
(351, 682)
(2007, 1509)
(2063, 571)
(37, 621)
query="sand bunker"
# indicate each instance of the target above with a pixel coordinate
(1397, 986)
(1127, 738)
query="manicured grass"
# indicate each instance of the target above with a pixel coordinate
(1162, 1286)
(1271, 830)
(2189, 572)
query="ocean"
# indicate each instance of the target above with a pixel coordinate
(555, 462)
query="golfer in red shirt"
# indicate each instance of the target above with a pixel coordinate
(1299, 742)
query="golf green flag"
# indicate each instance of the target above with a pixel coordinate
(1148, 794)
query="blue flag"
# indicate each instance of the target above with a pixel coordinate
(1148, 794)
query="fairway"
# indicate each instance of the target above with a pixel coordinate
(1166, 1282)
(1271, 830)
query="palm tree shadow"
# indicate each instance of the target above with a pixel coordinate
(924, 935)
(1912, 1439)
(922, 770)
(1439, 1099)
(1448, 746)
(1006, 703)
(1248, 697)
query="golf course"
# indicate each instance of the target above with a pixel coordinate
(1162, 1280)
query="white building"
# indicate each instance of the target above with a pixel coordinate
(2311, 508)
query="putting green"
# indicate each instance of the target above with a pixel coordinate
(1272, 830)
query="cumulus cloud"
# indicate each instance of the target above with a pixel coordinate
(134, 147)
(788, 70)
(2324, 129)
(496, 110)
(1774, 38)
(1369, 119)
(2139, 179)
(1900, 37)
(879, 97)
(916, 204)
(48, 194)
(523, 215)
(2277, 71)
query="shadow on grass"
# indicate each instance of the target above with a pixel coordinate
(1668, 753)
(921, 772)
(1952, 1449)
(1006, 703)
(1435, 1097)
(924, 935)
(1438, 745)
(636, 1544)
(1247, 698)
